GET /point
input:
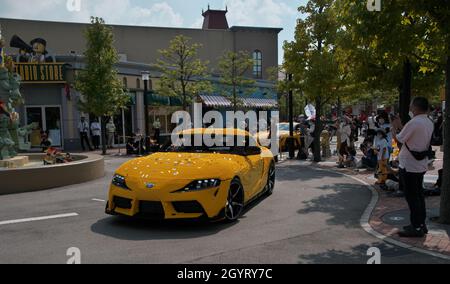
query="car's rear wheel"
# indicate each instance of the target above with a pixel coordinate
(270, 186)
(235, 201)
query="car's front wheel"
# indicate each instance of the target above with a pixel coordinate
(235, 201)
(270, 186)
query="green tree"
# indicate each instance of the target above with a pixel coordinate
(312, 60)
(386, 48)
(102, 90)
(233, 67)
(436, 52)
(183, 74)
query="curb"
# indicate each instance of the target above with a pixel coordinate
(365, 219)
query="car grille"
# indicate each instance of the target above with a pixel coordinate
(122, 203)
(151, 209)
(188, 207)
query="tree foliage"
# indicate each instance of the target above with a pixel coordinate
(232, 69)
(183, 73)
(102, 90)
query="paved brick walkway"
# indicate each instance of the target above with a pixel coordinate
(391, 214)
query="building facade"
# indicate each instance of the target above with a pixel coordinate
(51, 101)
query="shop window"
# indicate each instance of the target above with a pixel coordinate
(257, 64)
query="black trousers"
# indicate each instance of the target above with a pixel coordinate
(84, 138)
(414, 193)
(96, 141)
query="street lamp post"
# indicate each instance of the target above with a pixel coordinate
(291, 121)
(145, 79)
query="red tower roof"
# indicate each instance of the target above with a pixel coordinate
(215, 20)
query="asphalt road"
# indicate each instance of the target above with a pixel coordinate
(313, 217)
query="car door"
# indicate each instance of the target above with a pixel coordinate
(256, 173)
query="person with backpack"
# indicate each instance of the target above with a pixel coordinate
(415, 137)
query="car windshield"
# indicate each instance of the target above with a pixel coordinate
(224, 144)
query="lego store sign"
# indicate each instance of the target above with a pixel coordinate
(41, 72)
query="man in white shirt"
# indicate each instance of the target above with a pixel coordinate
(83, 127)
(96, 130)
(416, 139)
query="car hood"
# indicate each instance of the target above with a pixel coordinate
(183, 166)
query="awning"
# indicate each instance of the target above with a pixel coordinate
(254, 103)
(216, 101)
(260, 103)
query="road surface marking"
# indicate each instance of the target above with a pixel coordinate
(34, 219)
(98, 200)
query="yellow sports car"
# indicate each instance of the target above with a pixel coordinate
(283, 135)
(194, 182)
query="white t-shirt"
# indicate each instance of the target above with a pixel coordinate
(417, 135)
(96, 129)
(371, 122)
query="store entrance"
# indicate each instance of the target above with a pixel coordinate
(124, 126)
(48, 118)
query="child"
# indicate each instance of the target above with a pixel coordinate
(382, 149)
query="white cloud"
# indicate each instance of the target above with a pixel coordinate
(258, 12)
(113, 11)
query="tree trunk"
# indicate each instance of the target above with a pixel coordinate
(104, 142)
(405, 94)
(318, 132)
(445, 190)
(339, 108)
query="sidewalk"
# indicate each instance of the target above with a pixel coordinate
(391, 214)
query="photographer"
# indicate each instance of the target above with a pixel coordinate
(416, 138)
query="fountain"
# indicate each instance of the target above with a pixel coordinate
(25, 173)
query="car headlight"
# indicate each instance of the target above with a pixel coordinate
(201, 185)
(119, 181)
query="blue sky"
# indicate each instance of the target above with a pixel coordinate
(170, 13)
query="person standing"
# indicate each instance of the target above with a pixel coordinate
(371, 128)
(416, 139)
(96, 133)
(345, 132)
(157, 129)
(83, 128)
(382, 148)
(110, 131)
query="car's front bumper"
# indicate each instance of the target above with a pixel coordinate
(164, 203)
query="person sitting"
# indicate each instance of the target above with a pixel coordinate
(131, 149)
(46, 143)
(369, 160)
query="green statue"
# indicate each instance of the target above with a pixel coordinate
(10, 98)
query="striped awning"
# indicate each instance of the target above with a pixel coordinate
(259, 103)
(215, 101)
(223, 102)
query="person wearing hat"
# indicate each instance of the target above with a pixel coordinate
(382, 150)
(40, 54)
